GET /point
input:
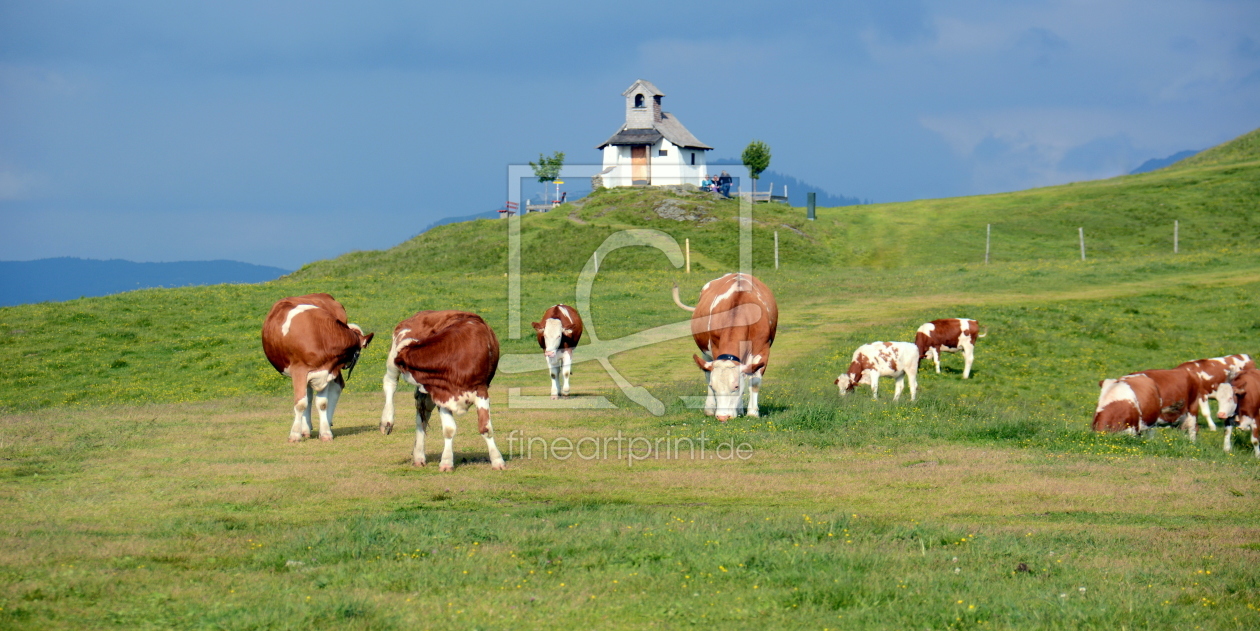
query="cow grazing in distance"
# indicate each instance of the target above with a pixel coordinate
(450, 357)
(308, 339)
(559, 332)
(733, 324)
(1214, 374)
(1247, 414)
(899, 360)
(949, 335)
(1130, 404)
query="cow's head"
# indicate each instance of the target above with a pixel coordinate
(1226, 401)
(855, 376)
(364, 340)
(549, 334)
(726, 381)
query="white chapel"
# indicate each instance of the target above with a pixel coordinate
(652, 148)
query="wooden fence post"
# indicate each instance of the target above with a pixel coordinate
(988, 234)
(688, 247)
(776, 249)
(1176, 235)
(1081, 231)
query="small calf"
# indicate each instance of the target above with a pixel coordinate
(559, 332)
(899, 360)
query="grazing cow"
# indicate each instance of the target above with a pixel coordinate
(1214, 374)
(450, 357)
(949, 335)
(308, 339)
(1247, 415)
(1130, 404)
(733, 324)
(899, 360)
(558, 334)
(1179, 394)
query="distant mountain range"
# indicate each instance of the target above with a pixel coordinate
(67, 278)
(797, 190)
(1159, 163)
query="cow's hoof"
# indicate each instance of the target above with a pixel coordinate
(446, 466)
(498, 466)
(295, 439)
(306, 434)
(386, 429)
(554, 397)
(418, 463)
(326, 437)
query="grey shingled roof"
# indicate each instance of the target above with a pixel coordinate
(634, 137)
(669, 127)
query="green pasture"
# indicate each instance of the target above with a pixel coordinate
(146, 481)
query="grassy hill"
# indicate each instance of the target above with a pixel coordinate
(146, 481)
(1214, 195)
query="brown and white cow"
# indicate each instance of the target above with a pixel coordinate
(1214, 374)
(308, 339)
(450, 357)
(559, 332)
(1179, 394)
(1247, 415)
(1130, 404)
(899, 360)
(949, 335)
(733, 324)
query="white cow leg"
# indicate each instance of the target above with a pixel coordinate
(299, 421)
(389, 384)
(448, 435)
(913, 375)
(567, 369)
(553, 371)
(754, 390)
(1191, 421)
(969, 356)
(874, 385)
(899, 383)
(424, 410)
(487, 432)
(325, 403)
(1229, 438)
(1205, 409)
(936, 359)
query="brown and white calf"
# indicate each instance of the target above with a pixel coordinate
(733, 324)
(1214, 374)
(450, 357)
(899, 360)
(559, 332)
(949, 335)
(308, 339)
(1130, 404)
(1246, 386)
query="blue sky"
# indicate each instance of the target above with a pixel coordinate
(278, 132)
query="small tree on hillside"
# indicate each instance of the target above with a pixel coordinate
(756, 157)
(548, 169)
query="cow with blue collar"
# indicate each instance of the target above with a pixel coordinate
(733, 324)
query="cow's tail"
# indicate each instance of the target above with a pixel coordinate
(678, 301)
(983, 332)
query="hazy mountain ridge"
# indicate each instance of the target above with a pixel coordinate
(67, 278)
